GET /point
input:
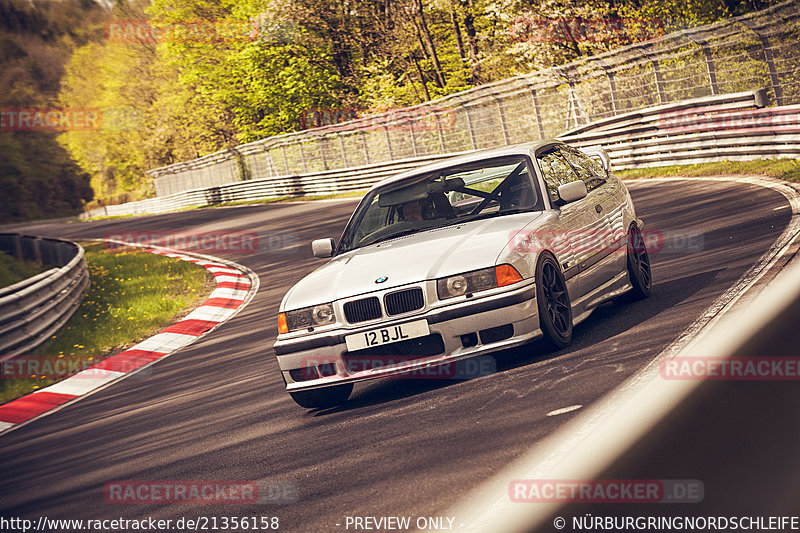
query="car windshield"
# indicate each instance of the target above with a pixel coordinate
(449, 196)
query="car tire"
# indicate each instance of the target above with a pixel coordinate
(555, 308)
(638, 266)
(324, 397)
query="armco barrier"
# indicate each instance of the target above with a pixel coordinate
(319, 183)
(31, 310)
(734, 127)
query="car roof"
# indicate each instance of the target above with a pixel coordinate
(513, 149)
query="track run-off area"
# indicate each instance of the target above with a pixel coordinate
(217, 409)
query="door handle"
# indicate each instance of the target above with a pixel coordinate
(598, 208)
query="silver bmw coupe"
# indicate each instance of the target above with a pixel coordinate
(457, 259)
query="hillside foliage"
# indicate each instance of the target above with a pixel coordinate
(178, 79)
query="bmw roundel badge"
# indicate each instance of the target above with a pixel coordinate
(381, 279)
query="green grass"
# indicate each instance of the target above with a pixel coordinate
(132, 296)
(13, 270)
(785, 169)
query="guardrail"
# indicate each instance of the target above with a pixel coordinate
(734, 127)
(318, 183)
(33, 309)
(760, 49)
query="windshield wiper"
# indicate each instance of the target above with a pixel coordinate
(479, 216)
(408, 231)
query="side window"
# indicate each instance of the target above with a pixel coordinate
(374, 219)
(587, 168)
(556, 171)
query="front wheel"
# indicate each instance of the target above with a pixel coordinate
(324, 397)
(555, 308)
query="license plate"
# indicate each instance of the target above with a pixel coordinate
(387, 335)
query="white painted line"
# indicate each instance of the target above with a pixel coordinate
(165, 342)
(5, 425)
(235, 279)
(223, 270)
(695, 332)
(564, 410)
(233, 294)
(83, 382)
(211, 313)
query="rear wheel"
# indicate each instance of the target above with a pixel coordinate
(324, 397)
(555, 308)
(638, 265)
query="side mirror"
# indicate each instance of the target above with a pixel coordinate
(322, 247)
(569, 192)
(597, 153)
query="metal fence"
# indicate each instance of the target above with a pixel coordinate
(745, 53)
(318, 183)
(712, 128)
(31, 310)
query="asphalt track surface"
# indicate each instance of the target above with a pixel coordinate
(217, 409)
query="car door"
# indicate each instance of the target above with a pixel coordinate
(605, 196)
(570, 236)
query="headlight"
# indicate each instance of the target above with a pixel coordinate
(476, 281)
(308, 317)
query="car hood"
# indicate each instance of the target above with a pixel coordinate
(413, 258)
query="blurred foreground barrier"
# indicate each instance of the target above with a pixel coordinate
(732, 434)
(33, 309)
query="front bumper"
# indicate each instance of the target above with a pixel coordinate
(467, 329)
